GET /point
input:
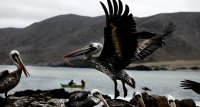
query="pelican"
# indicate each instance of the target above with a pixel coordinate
(189, 84)
(86, 99)
(9, 80)
(120, 45)
(136, 101)
(171, 101)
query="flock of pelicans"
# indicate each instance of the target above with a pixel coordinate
(121, 47)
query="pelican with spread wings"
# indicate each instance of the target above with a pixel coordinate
(120, 45)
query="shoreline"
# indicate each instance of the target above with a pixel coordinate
(193, 65)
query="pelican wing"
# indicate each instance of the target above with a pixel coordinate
(189, 84)
(78, 96)
(119, 103)
(3, 74)
(148, 46)
(120, 40)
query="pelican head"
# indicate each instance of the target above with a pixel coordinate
(97, 97)
(89, 51)
(139, 99)
(14, 55)
(171, 101)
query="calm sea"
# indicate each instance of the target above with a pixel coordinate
(161, 82)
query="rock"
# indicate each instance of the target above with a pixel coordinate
(194, 68)
(140, 67)
(38, 98)
(58, 97)
(185, 103)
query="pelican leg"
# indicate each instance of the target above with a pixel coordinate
(6, 96)
(116, 90)
(125, 89)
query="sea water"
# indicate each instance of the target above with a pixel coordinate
(160, 82)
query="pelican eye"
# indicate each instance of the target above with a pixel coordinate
(14, 56)
(91, 45)
(171, 101)
(96, 94)
(137, 96)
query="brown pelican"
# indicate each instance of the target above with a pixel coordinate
(120, 45)
(158, 101)
(189, 84)
(171, 101)
(136, 101)
(9, 80)
(119, 103)
(86, 99)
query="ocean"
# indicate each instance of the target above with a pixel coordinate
(160, 82)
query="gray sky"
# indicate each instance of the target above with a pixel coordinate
(21, 13)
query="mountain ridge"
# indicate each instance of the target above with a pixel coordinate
(47, 41)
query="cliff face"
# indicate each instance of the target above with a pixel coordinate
(46, 42)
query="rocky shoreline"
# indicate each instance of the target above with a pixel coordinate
(38, 98)
(58, 98)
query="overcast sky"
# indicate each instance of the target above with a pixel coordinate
(21, 13)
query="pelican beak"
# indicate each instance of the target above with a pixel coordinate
(103, 100)
(21, 64)
(78, 52)
(141, 102)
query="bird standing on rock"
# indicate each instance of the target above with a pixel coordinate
(10, 80)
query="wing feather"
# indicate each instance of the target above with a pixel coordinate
(120, 37)
(119, 41)
(189, 84)
(148, 46)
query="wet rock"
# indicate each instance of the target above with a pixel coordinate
(58, 97)
(194, 68)
(38, 98)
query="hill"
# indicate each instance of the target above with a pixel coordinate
(46, 42)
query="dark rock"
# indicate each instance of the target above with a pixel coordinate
(159, 68)
(58, 97)
(185, 103)
(27, 93)
(38, 98)
(194, 68)
(140, 67)
(58, 93)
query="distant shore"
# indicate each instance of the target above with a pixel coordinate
(149, 66)
(171, 65)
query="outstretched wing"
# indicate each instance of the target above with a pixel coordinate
(120, 42)
(3, 74)
(148, 46)
(189, 84)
